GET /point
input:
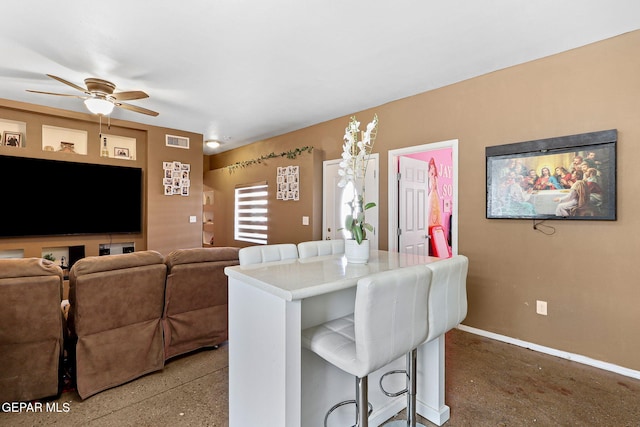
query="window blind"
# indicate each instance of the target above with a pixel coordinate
(251, 212)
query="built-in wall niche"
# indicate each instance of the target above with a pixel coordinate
(64, 140)
(207, 217)
(12, 133)
(116, 248)
(11, 253)
(118, 147)
(64, 256)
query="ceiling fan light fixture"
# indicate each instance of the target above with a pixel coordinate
(212, 143)
(99, 106)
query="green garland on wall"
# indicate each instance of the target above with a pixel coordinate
(291, 154)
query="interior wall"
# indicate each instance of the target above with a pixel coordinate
(285, 216)
(586, 270)
(164, 225)
(168, 222)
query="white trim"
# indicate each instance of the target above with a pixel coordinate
(392, 189)
(554, 352)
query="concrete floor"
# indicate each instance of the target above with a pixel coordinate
(488, 383)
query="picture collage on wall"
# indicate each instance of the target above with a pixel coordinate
(176, 179)
(288, 181)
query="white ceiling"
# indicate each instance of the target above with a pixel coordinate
(244, 70)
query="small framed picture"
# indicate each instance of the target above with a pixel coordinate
(122, 153)
(12, 139)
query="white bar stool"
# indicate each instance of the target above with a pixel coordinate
(267, 253)
(389, 321)
(316, 248)
(447, 308)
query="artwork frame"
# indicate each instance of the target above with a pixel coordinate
(288, 182)
(176, 178)
(121, 153)
(565, 178)
(12, 139)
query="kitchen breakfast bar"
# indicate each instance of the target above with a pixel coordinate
(273, 381)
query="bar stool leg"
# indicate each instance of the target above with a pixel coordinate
(412, 386)
(360, 401)
(362, 394)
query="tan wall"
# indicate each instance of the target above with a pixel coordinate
(285, 225)
(165, 221)
(168, 225)
(587, 271)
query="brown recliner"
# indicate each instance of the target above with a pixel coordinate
(116, 316)
(31, 326)
(196, 310)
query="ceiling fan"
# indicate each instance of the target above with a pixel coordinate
(100, 97)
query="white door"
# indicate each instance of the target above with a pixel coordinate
(412, 193)
(335, 199)
(449, 192)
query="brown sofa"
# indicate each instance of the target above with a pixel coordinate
(116, 316)
(31, 329)
(195, 312)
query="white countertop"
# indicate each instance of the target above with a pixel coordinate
(303, 278)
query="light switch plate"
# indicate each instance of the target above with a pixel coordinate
(541, 307)
(192, 218)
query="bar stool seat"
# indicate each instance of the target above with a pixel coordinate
(389, 321)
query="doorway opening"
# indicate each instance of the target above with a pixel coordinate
(413, 207)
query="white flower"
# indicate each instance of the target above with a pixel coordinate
(356, 152)
(355, 157)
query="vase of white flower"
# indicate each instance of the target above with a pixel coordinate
(353, 168)
(356, 253)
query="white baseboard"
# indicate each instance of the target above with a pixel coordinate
(554, 352)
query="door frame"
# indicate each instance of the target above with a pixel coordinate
(392, 186)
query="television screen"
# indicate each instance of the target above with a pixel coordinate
(49, 197)
(571, 177)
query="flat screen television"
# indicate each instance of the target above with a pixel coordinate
(49, 197)
(570, 178)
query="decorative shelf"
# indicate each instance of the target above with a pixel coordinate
(11, 253)
(13, 127)
(64, 140)
(118, 147)
(116, 248)
(207, 217)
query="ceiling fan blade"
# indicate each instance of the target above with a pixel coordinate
(128, 96)
(136, 109)
(73, 85)
(57, 94)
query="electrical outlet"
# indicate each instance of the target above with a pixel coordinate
(541, 307)
(305, 220)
